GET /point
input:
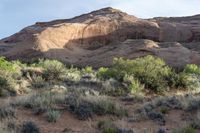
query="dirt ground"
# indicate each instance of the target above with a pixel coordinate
(68, 123)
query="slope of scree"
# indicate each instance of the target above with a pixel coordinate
(95, 38)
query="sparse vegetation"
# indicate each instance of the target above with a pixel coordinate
(109, 92)
(164, 110)
(187, 129)
(85, 107)
(53, 69)
(53, 115)
(6, 112)
(29, 127)
(133, 76)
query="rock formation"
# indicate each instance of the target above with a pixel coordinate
(97, 37)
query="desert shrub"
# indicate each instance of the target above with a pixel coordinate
(29, 72)
(53, 115)
(58, 89)
(187, 129)
(11, 125)
(195, 123)
(192, 104)
(109, 130)
(192, 69)
(113, 88)
(53, 69)
(88, 74)
(161, 130)
(18, 63)
(124, 130)
(83, 111)
(190, 77)
(85, 106)
(38, 81)
(3, 84)
(10, 74)
(104, 106)
(164, 110)
(87, 70)
(109, 127)
(11, 68)
(29, 127)
(40, 102)
(134, 85)
(106, 73)
(73, 74)
(104, 124)
(150, 109)
(169, 102)
(173, 79)
(7, 85)
(7, 112)
(189, 81)
(135, 98)
(157, 116)
(149, 70)
(6, 65)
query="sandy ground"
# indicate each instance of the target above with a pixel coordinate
(70, 124)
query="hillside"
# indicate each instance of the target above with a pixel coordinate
(95, 38)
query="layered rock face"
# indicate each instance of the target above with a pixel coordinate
(97, 37)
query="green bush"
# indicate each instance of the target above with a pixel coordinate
(106, 73)
(73, 74)
(87, 70)
(190, 77)
(53, 69)
(53, 116)
(7, 85)
(6, 65)
(189, 81)
(12, 68)
(192, 69)
(149, 70)
(10, 74)
(134, 85)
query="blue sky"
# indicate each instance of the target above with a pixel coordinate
(17, 14)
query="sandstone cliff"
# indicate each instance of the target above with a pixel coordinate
(95, 38)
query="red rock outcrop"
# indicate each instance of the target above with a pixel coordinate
(95, 38)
